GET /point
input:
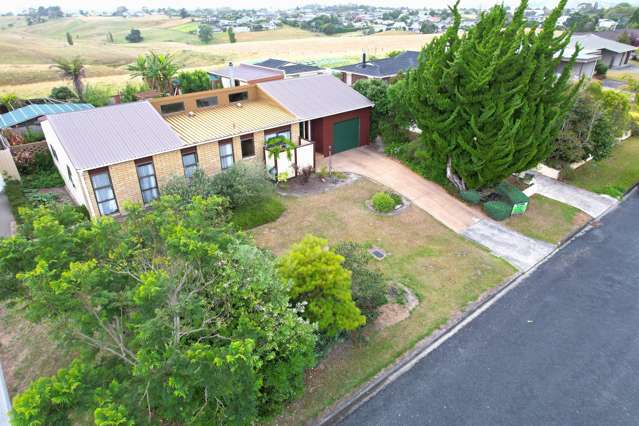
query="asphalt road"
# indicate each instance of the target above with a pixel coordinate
(562, 348)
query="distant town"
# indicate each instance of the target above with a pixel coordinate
(350, 18)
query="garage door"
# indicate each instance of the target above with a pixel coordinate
(345, 135)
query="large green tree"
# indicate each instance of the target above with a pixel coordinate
(488, 101)
(172, 317)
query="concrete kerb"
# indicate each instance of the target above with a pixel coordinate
(404, 363)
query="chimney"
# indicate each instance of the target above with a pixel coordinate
(232, 74)
(363, 59)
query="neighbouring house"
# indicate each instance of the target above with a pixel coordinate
(606, 25)
(242, 74)
(127, 152)
(584, 64)
(291, 69)
(383, 69)
(613, 53)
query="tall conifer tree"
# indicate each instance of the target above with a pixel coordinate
(489, 102)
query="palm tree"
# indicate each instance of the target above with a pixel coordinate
(72, 69)
(157, 70)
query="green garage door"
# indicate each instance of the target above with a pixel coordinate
(345, 135)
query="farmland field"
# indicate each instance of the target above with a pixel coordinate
(28, 51)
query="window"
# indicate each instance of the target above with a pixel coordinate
(171, 108)
(103, 190)
(248, 146)
(238, 97)
(273, 133)
(206, 102)
(53, 153)
(148, 183)
(226, 154)
(70, 175)
(189, 161)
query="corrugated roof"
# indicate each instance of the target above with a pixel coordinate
(246, 72)
(227, 121)
(314, 97)
(288, 67)
(593, 42)
(29, 112)
(384, 67)
(109, 135)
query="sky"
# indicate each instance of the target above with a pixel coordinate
(74, 5)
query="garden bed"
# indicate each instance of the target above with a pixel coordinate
(444, 271)
(316, 184)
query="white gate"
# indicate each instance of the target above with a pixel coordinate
(301, 157)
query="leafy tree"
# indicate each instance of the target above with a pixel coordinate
(62, 93)
(205, 33)
(10, 101)
(318, 279)
(582, 22)
(194, 81)
(231, 35)
(428, 28)
(134, 36)
(157, 70)
(98, 96)
(128, 94)
(172, 316)
(488, 101)
(74, 70)
(624, 37)
(184, 13)
(69, 39)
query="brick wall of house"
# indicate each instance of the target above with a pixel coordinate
(126, 186)
(208, 157)
(167, 165)
(90, 196)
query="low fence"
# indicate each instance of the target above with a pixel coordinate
(32, 148)
(301, 157)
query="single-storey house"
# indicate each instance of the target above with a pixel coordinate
(127, 152)
(383, 69)
(584, 63)
(242, 74)
(291, 69)
(613, 53)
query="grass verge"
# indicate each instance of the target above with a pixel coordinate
(614, 175)
(445, 271)
(264, 211)
(547, 219)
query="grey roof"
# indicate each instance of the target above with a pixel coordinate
(288, 67)
(245, 72)
(29, 112)
(387, 67)
(315, 96)
(98, 137)
(591, 42)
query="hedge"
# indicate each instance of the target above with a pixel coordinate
(511, 193)
(497, 210)
(470, 196)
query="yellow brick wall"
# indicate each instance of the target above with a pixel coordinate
(258, 137)
(295, 133)
(208, 157)
(167, 165)
(126, 186)
(90, 196)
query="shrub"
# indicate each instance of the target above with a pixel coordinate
(318, 278)
(128, 94)
(98, 96)
(471, 196)
(369, 286)
(194, 81)
(134, 36)
(29, 164)
(383, 202)
(497, 210)
(62, 93)
(33, 135)
(13, 190)
(601, 69)
(513, 194)
(397, 199)
(263, 211)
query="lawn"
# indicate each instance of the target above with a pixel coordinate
(444, 270)
(547, 220)
(614, 175)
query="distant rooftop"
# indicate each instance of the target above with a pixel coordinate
(288, 67)
(386, 67)
(29, 112)
(590, 42)
(246, 72)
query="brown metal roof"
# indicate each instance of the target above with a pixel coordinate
(113, 134)
(314, 97)
(227, 121)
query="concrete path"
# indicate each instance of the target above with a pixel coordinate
(521, 251)
(427, 195)
(589, 202)
(560, 348)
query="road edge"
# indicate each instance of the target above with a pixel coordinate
(347, 405)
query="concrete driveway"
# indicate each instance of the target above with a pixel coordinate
(561, 348)
(427, 195)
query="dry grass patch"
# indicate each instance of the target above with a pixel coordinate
(548, 220)
(445, 271)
